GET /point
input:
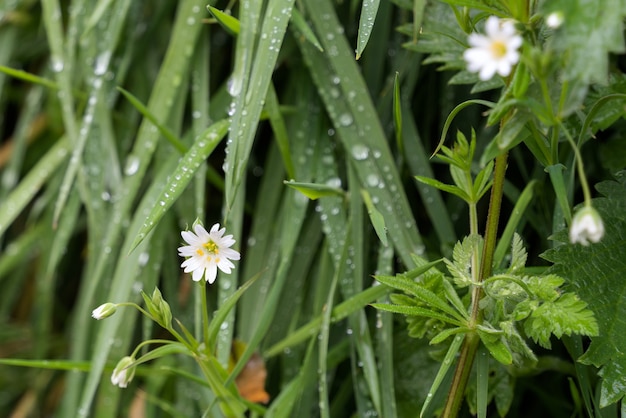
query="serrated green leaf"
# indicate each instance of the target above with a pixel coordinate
(586, 40)
(518, 254)
(565, 316)
(460, 266)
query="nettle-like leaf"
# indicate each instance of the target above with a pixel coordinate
(585, 39)
(440, 36)
(518, 254)
(597, 272)
(566, 315)
(460, 266)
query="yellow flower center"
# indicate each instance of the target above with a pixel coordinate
(212, 247)
(498, 49)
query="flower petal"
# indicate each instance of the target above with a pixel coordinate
(211, 273)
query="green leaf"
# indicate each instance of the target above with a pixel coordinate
(228, 22)
(444, 187)
(33, 181)
(426, 296)
(597, 274)
(460, 266)
(222, 313)
(415, 311)
(518, 254)
(586, 39)
(369, 9)
(378, 221)
(565, 316)
(300, 24)
(492, 339)
(314, 191)
(167, 134)
(182, 175)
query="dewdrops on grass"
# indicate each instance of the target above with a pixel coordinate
(207, 251)
(495, 52)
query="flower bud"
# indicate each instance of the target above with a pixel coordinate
(158, 308)
(104, 311)
(123, 374)
(554, 20)
(586, 226)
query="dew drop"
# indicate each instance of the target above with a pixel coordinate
(360, 152)
(143, 259)
(345, 119)
(132, 165)
(373, 180)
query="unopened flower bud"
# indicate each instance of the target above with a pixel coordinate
(586, 226)
(554, 20)
(104, 311)
(123, 374)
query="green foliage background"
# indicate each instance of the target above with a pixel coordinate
(97, 183)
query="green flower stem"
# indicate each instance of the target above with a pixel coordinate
(134, 305)
(580, 166)
(148, 342)
(473, 215)
(470, 345)
(147, 314)
(205, 314)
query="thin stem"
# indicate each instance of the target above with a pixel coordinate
(473, 217)
(470, 345)
(205, 314)
(580, 166)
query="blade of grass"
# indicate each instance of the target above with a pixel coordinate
(355, 120)
(250, 83)
(369, 9)
(33, 182)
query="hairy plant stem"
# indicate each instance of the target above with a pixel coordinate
(470, 344)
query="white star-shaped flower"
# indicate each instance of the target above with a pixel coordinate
(587, 226)
(207, 251)
(495, 52)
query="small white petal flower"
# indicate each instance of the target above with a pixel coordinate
(122, 374)
(586, 226)
(554, 20)
(104, 311)
(497, 52)
(207, 251)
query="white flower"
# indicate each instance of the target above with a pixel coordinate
(104, 311)
(586, 226)
(554, 20)
(122, 374)
(497, 52)
(207, 251)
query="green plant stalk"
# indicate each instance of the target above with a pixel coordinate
(470, 345)
(205, 315)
